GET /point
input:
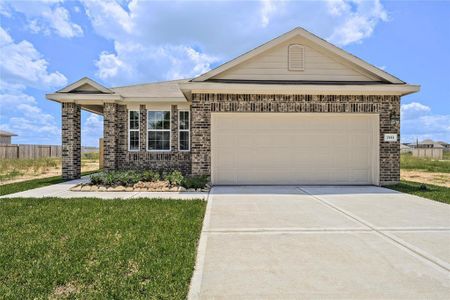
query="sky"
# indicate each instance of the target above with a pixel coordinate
(45, 45)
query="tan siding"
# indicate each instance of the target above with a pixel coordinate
(273, 65)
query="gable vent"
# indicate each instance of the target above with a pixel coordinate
(296, 57)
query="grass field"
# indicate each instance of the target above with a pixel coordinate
(96, 249)
(434, 192)
(24, 169)
(409, 162)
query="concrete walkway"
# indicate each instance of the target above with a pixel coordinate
(322, 242)
(62, 190)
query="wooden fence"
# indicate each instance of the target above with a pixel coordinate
(22, 151)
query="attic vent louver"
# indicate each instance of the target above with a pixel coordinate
(296, 57)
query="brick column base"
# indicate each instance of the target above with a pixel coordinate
(71, 141)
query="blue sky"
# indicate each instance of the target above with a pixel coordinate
(46, 45)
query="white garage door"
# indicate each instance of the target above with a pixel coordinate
(294, 148)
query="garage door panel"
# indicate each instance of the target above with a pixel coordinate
(294, 148)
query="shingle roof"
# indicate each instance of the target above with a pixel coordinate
(163, 89)
(7, 133)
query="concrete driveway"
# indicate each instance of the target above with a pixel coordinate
(322, 242)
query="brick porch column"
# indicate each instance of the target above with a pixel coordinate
(201, 134)
(110, 133)
(71, 141)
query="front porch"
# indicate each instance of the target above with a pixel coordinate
(115, 105)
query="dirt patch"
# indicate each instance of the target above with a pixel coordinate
(50, 172)
(441, 179)
(64, 291)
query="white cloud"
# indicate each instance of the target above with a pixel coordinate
(109, 18)
(22, 63)
(133, 62)
(418, 122)
(44, 17)
(22, 67)
(157, 40)
(268, 8)
(91, 130)
(359, 19)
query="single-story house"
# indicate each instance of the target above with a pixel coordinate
(445, 145)
(404, 148)
(295, 110)
(5, 137)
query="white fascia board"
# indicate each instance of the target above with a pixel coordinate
(92, 98)
(308, 89)
(82, 81)
(104, 98)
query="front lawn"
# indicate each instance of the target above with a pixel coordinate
(91, 248)
(21, 186)
(434, 192)
(409, 162)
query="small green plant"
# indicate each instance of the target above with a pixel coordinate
(195, 182)
(97, 178)
(174, 177)
(150, 175)
(423, 187)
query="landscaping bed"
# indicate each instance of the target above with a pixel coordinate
(143, 181)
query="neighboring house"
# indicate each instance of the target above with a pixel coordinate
(5, 137)
(429, 149)
(445, 145)
(295, 110)
(404, 148)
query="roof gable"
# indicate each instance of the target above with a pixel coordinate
(85, 85)
(323, 62)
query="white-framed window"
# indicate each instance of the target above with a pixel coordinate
(133, 130)
(184, 127)
(158, 130)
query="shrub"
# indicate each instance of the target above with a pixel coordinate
(174, 177)
(97, 178)
(126, 178)
(195, 182)
(149, 175)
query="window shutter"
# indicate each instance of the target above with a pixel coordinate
(296, 58)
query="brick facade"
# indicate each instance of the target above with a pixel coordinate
(117, 156)
(71, 141)
(388, 108)
(198, 161)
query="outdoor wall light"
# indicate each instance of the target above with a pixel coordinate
(395, 120)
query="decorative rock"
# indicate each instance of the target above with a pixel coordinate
(76, 188)
(102, 189)
(94, 188)
(85, 188)
(182, 189)
(129, 189)
(119, 188)
(174, 189)
(191, 190)
(110, 189)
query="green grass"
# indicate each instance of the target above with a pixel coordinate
(409, 162)
(433, 192)
(97, 249)
(16, 187)
(90, 155)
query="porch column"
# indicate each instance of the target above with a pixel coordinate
(110, 133)
(71, 141)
